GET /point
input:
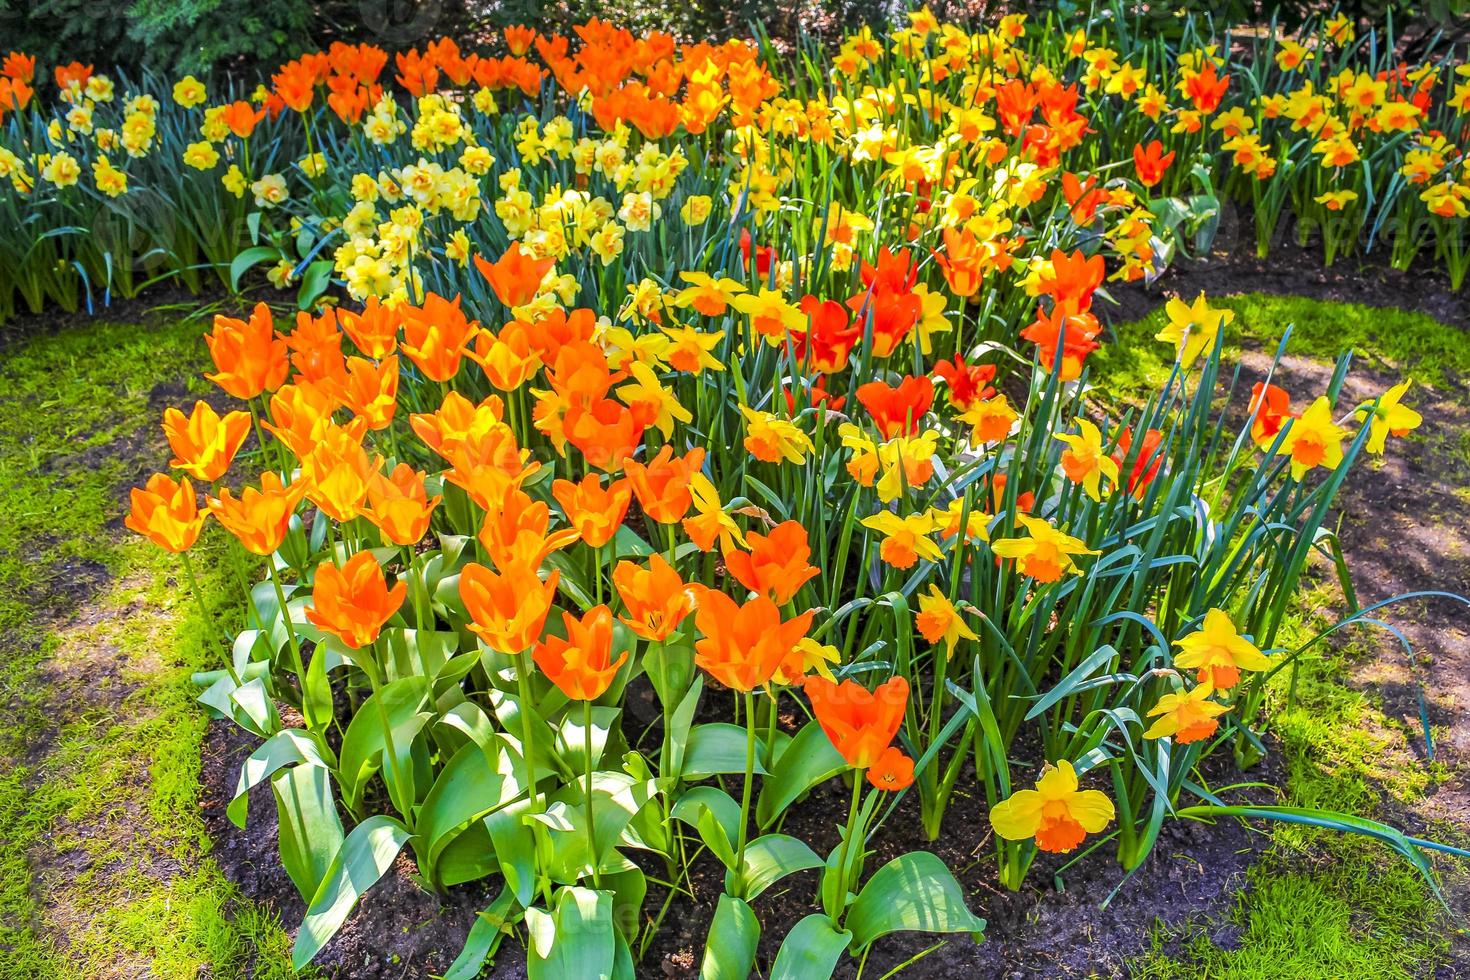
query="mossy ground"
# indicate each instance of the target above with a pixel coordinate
(106, 870)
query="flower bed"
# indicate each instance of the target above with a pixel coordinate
(753, 387)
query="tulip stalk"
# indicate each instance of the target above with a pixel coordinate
(745, 792)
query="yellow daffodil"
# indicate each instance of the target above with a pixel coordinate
(1057, 813)
(1313, 440)
(1389, 417)
(1084, 460)
(1046, 554)
(772, 439)
(905, 539)
(938, 619)
(1192, 327)
(1218, 653)
(1187, 717)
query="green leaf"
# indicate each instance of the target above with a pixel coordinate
(484, 938)
(810, 950)
(616, 799)
(716, 815)
(716, 749)
(770, 858)
(670, 669)
(681, 722)
(470, 786)
(363, 744)
(290, 747)
(515, 848)
(250, 257)
(575, 941)
(810, 759)
(729, 952)
(915, 892)
(310, 830)
(314, 282)
(362, 859)
(1407, 847)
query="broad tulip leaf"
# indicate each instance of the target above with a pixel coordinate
(716, 815)
(809, 759)
(515, 849)
(470, 786)
(484, 938)
(310, 830)
(915, 892)
(289, 747)
(362, 859)
(363, 744)
(717, 749)
(574, 941)
(810, 950)
(770, 858)
(250, 257)
(729, 953)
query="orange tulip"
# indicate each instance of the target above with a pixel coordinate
(507, 609)
(1270, 409)
(596, 512)
(316, 351)
(606, 432)
(374, 330)
(259, 518)
(435, 336)
(514, 531)
(892, 772)
(777, 563)
(662, 484)
(1151, 162)
(744, 645)
(204, 445)
(508, 359)
(580, 665)
(353, 602)
(488, 466)
(400, 506)
(299, 415)
(897, 411)
(860, 723)
(336, 473)
(250, 358)
(656, 597)
(241, 118)
(371, 390)
(1146, 466)
(516, 276)
(166, 513)
(457, 421)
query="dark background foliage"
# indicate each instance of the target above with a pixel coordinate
(204, 36)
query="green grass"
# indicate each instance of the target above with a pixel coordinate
(99, 800)
(1318, 904)
(1133, 362)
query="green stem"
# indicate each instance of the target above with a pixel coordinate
(297, 662)
(394, 765)
(852, 815)
(214, 634)
(523, 683)
(745, 792)
(591, 827)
